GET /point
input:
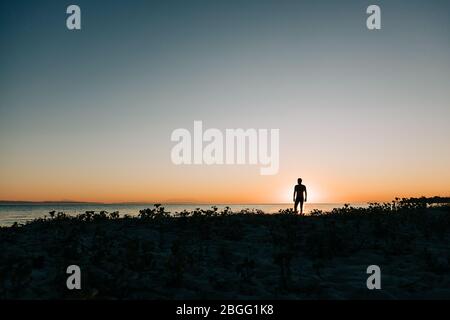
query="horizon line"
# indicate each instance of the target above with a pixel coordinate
(170, 202)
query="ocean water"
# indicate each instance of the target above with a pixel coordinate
(21, 213)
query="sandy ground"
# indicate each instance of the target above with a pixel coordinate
(212, 255)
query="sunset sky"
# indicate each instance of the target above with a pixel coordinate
(87, 115)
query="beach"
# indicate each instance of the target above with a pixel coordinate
(22, 212)
(219, 254)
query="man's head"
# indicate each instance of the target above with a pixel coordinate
(299, 180)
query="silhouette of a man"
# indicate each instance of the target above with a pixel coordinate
(299, 190)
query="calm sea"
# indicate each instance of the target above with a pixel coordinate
(10, 213)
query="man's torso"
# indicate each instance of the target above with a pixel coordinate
(299, 191)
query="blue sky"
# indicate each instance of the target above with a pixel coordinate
(87, 115)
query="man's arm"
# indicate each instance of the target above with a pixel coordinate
(306, 195)
(293, 197)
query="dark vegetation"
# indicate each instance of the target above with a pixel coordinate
(215, 254)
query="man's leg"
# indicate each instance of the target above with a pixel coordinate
(301, 206)
(296, 205)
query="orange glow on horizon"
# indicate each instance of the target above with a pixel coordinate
(216, 187)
